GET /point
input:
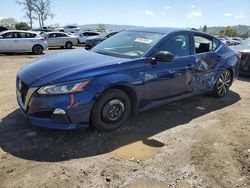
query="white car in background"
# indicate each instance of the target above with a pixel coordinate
(83, 36)
(60, 39)
(21, 42)
(69, 29)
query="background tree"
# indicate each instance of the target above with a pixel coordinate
(22, 26)
(29, 10)
(230, 32)
(204, 29)
(101, 28)
(43, 10)
(221, 33)
(10, 23)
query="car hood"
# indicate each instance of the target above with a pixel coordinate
(68, 66)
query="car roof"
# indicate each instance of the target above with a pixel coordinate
(163, 30)
(55, 32)
(18, 31)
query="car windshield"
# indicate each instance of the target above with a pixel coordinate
(128, 44)
(246, 42)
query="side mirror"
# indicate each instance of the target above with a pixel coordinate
(164, 56)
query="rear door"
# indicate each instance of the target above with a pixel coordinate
(61, 39)
(24, 41)
(51, 39)
(7, 42)
(206, 60)
(170, 79)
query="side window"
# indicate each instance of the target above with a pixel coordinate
(178, 45)
(203, 44)
(52, 35)
(26, 35)
(93, 34)
(8, 35)
(61, 35)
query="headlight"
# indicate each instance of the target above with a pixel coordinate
(63, 88)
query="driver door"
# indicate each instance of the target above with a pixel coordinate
(170, 79)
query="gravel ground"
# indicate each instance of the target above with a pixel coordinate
(196, 142)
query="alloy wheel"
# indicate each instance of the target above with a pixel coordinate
(38, 50)
(224, 83)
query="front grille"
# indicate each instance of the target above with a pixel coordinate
(23, 88)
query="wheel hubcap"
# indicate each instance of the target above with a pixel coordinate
(113, 111)
(224, 83)
(38, 49)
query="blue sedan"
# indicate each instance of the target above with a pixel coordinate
(131, 72)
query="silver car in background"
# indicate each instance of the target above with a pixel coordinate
(21, 42)
(60, 39)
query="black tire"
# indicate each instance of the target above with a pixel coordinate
(222, 86)
(68, 45)
(111, 110)
(37, 49)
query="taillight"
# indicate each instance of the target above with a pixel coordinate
(42, 39)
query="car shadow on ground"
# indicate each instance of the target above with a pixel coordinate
(25, 141)
(244, 78)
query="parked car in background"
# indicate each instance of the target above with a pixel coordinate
(59, 39)
(131, 72)
(3, 28)
(225, 41)
(41, 30)
(22, 41)
(83, 36)
(93, 41)
(244, 50)
(69, 29)
(233, 41)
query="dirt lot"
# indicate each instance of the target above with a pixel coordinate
(197, 142)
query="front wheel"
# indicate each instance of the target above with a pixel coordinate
(222, 86)
(111, 110)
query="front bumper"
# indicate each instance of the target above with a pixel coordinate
(39, 109)
(245, 64)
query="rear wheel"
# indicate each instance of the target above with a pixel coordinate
(68, 45)
(111, 110)
(222, 86)
(37, 50)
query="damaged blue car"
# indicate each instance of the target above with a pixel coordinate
(131, 72)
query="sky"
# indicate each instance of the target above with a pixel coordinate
(153, 13)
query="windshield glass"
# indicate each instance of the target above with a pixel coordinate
(128, 44)
(246, 42)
